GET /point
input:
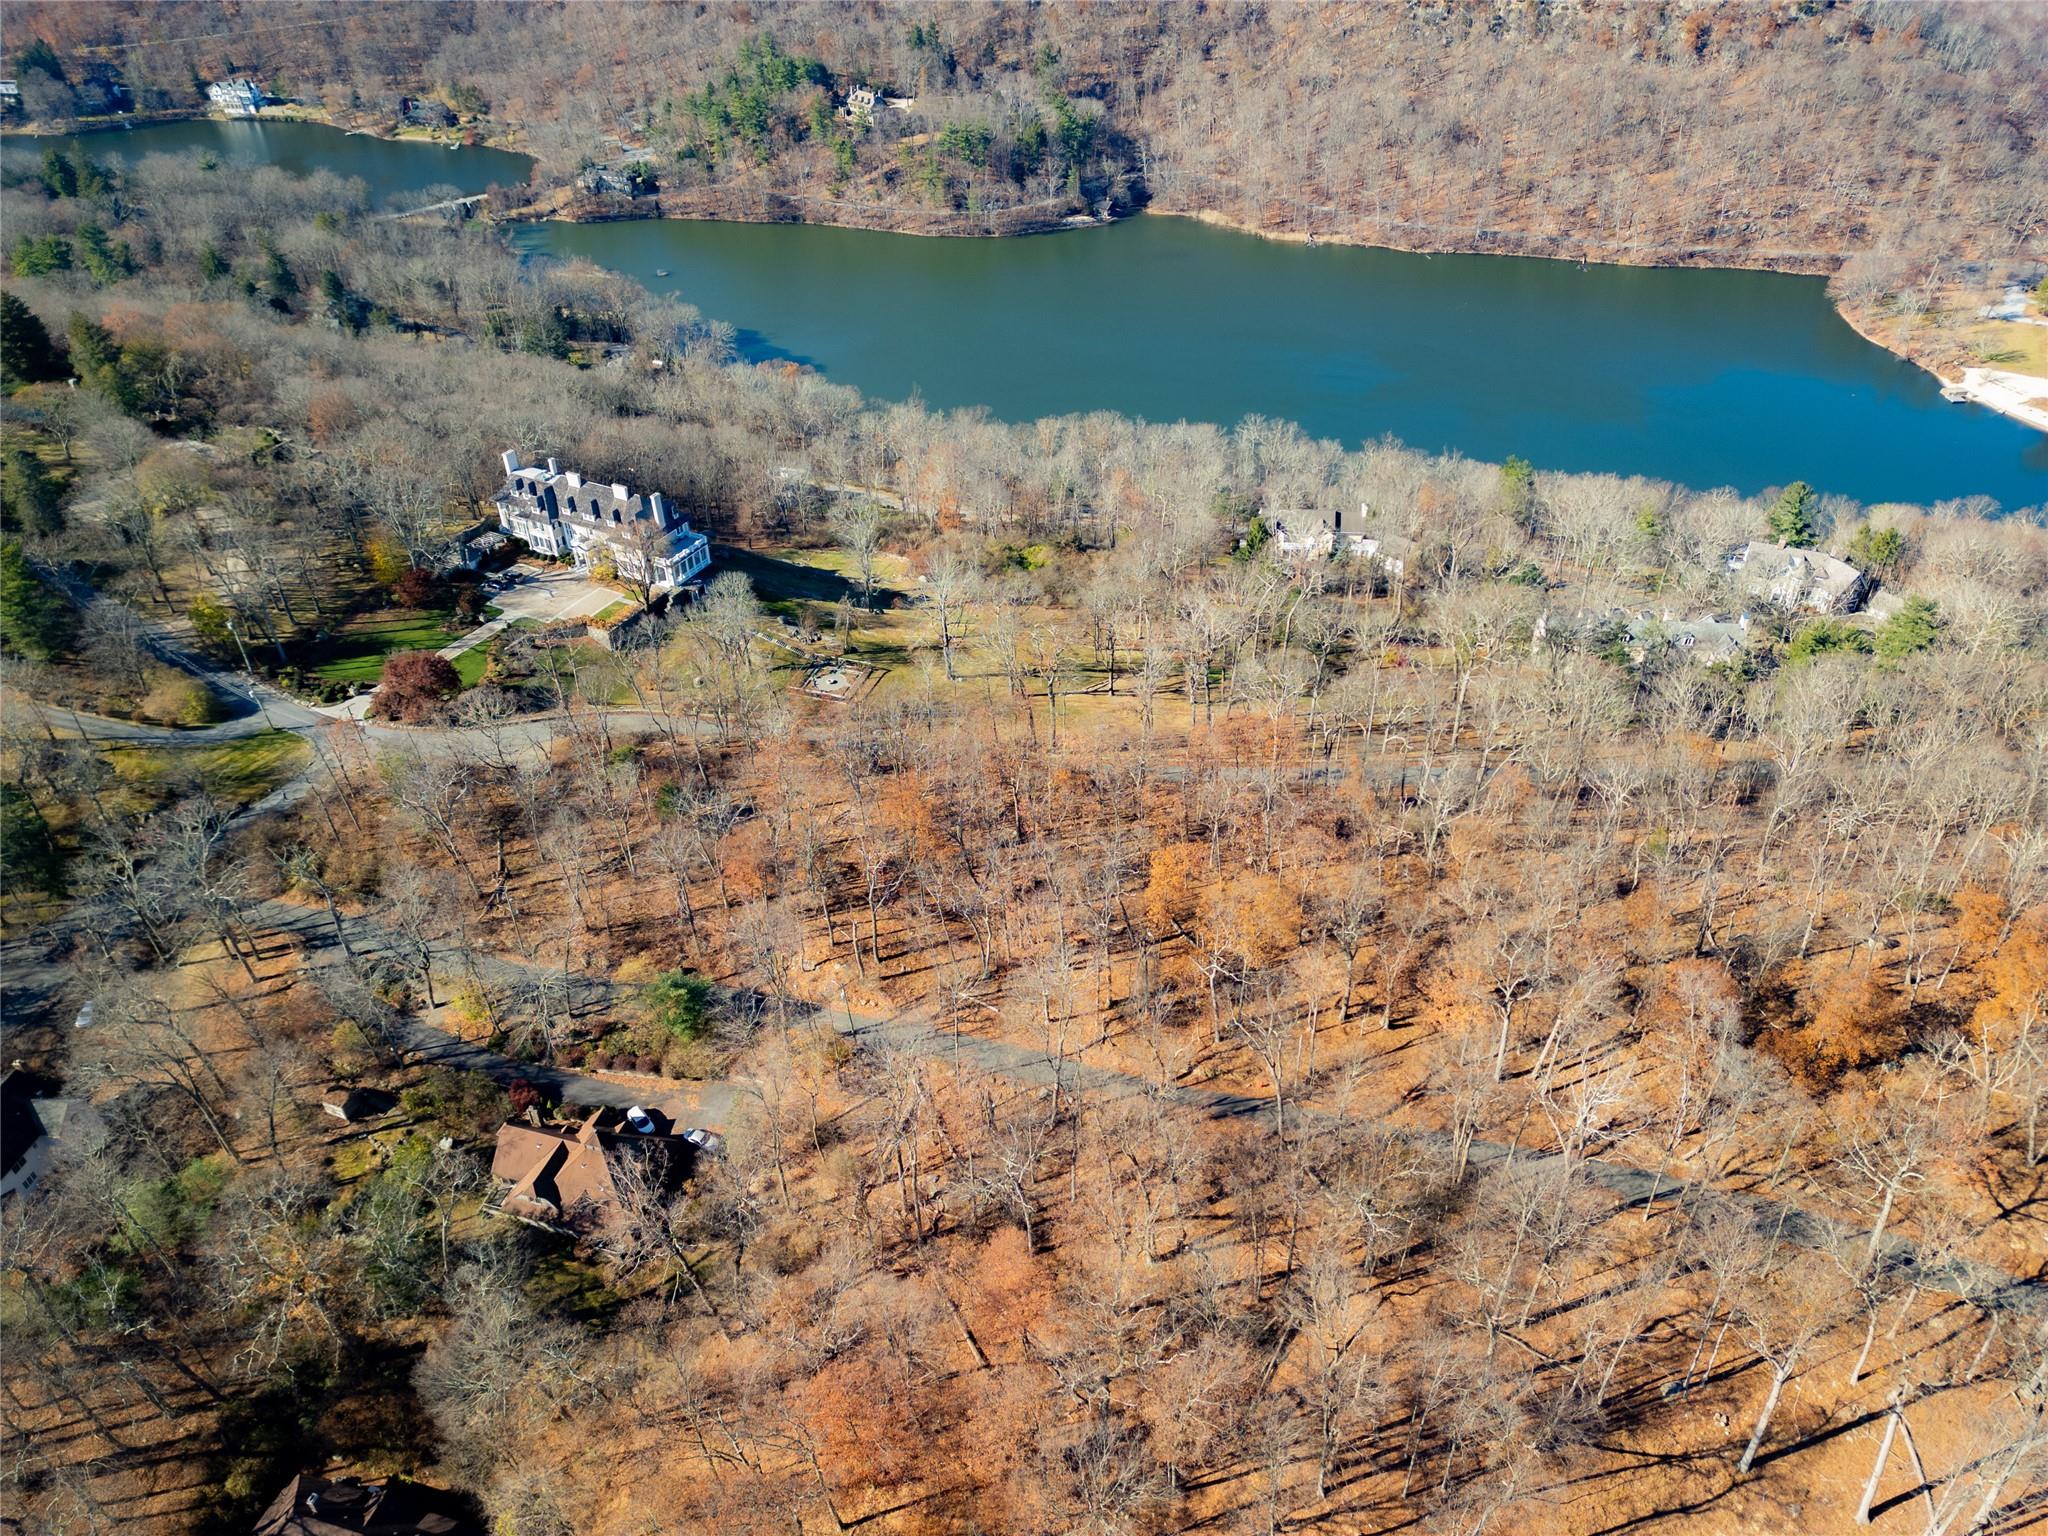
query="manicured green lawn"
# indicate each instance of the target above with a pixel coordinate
(356, 654)
(469, 666)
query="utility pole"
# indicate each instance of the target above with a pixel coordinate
(249, 674)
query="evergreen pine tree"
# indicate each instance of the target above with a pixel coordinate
(29, 502)
(1792, 517)
(27, 355)
(32, 618)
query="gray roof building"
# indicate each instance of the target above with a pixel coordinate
(1707, 637)
(349, 1506)
(1798, 578)
(560, 514)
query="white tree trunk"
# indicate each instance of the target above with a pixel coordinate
(1884, 1450)
(1763, 1420)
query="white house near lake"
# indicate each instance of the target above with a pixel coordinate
(1799, 578)
(1313, 532)
(560, 514)
(239, 97)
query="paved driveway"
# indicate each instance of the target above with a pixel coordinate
(541, 600)
(556, 596)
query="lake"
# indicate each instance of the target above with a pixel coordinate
(1707, 378)
(391, 168)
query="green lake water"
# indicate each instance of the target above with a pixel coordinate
(1707, 378)
(393, 169)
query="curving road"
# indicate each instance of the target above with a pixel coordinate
(908, 1032)
(912, 1033)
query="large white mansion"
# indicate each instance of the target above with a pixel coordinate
(560, 514)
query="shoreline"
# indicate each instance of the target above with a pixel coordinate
(1976, 384)
(1694, 258)
(784, 209)
(559, 204)
(317, 117)
(2004, 393)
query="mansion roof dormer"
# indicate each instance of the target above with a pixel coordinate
(560, 514)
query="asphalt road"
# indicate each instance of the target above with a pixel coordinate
(907, 1032)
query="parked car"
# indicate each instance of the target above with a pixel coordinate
(640, 1120)
(710, 1143)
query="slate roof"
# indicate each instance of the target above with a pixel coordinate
(567, 495)
(615, 510)
(1794, 575)
(21, 1126)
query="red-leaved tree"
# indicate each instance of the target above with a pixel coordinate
(417, 589)
(414, 683)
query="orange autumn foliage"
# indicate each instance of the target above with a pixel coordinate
(1177, 873)
(1858, 1020)
(1254, 918)
(858, 1427)
(1008, 1288)
(2016, 1002)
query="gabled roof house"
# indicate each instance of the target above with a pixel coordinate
(560, 514)
(1312, 531)
(1798, 578)
(567, 1176)
(347, 1506)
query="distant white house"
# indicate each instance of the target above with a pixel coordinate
(239, 97)
(560, 514)
(863, 101)
(1311, 532)
(1798, 578)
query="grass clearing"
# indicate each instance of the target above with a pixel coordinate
(2009, 345)
(470, 665)
(242, 771)
(562, 1280)
(563, 663)
(356, 654)
(791, 577)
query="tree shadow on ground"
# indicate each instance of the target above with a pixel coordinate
(786, 579)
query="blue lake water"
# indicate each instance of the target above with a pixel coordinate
(1708, 378)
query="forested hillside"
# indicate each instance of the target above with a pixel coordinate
(1206, 1031)
(1779, 135)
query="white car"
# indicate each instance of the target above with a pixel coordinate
(640, 1120)
(710, 1143)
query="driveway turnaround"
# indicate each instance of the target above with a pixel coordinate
(541, 600)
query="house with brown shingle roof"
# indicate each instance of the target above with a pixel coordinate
(319, 1506)
(567, 1176)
